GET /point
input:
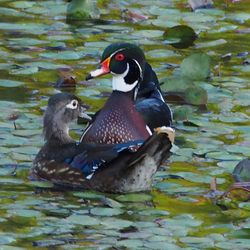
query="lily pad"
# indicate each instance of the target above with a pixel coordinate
(196, 66)
(196, 95)
(48, 243)
(80, 10)
(180, 36)
(241, 172)
(24, 70)
(88, 195)
(22, 4)
(25, 213)
(223, 155)
(101, 211)
(211, 43)
(134, 197)
(130, 243)
(245, 205)
(6, 239)
(116, 223)
(200, 242)
(10, 83)
(62, 55)
(176, 84)
(84, 220)
(111, 203)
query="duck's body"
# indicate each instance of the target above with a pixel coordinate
(103, 167)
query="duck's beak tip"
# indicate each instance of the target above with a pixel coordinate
(89, 77)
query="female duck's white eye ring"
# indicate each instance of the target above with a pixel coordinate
(72, 105)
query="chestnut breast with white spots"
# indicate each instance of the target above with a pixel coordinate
(117, 122)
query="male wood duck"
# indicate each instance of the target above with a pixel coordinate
(115, 168)
(122, 119)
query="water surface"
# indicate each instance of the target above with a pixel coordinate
(36, 44)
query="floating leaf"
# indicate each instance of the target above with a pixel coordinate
(196, 66)
(134, 197)
(88, 195)
(62, 55)
(103, 211)
(6, 239)
(223, 155)
(13, 181)
(183, 113)
(158, 245)
(48, 65)
(243, 68)
(5, 247)
(241, 172)
(245, 205)
(180, 36)
(24, 70)
(199, 4)
(48, 243)
(11, 12)
(130, 243)
(161, 53)
(239, 17)
(116, 223)
(10, 83)
(84, 220)
(82, 9)
(25, 213)
(211, 44)
(148, 33)
(111, 203)
(176, 84)
(196, 95)
(26, 41)
(199, 178)
(234, 244)
(22, 4)
(200, 242)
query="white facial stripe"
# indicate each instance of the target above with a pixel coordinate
(116, 52)
(139, 67)
(72, 105)
(118, 82)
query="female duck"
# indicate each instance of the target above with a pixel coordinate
(108, 168)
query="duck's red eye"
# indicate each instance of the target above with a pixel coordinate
(119, 57)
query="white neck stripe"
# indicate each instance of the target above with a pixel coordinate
(119, 84)
(139, 68)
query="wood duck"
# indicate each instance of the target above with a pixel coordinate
(115, 168)
(133, 75)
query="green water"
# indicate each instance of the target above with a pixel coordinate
(36, 44)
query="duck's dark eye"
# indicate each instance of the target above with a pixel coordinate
(72, 105)
(119, 57)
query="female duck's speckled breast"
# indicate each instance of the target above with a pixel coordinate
(117, 122)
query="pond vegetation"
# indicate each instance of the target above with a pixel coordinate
(38, 48)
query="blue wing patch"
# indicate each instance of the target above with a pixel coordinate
(88, 166)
